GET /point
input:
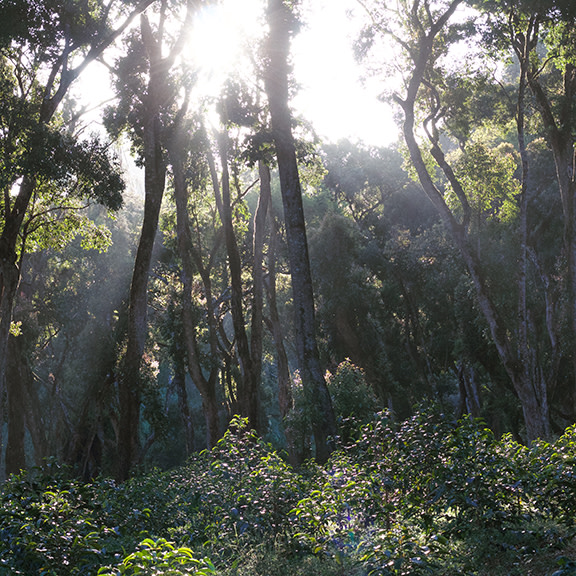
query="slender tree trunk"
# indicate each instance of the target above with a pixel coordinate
(559, 135)
(154, 100)
(248, 392)
(15, 452)
(129, 386)
(257, 320)
(276, 84)
(285, 399)
(10, 274)
(34, 420)
(180, 385)
(530, 391)
(191, 257)
(469, 391)
(533, 397)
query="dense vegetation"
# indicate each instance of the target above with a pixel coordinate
(238, 322)
(428, 496)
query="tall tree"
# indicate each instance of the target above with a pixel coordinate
(248, 384)
(147, 110)
(541, 35)
(282, 21)
(181, 149)
(45, 46)
(428, 32)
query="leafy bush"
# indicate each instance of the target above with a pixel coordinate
(426, 496)
(160, 558)
(244, 489)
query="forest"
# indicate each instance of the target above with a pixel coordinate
(231, 346)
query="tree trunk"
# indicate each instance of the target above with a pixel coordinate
(527, 386)
(257, 320)
(15, 452)
(191, 257)
(180, 385)
(10, 275)
(285, 399)
(129, 385)
(559, 135)
(34, 420)
(248, 386)
(276, 84)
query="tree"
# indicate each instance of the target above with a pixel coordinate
(541, 36)
(147, 91)
(281, 21)
(44, 47)
(426, 36)
(186, 156)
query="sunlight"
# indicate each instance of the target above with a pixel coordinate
(218, 40)
(333, 95)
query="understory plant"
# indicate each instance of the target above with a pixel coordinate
(429, 495)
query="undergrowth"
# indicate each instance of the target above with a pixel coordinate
(424, 497)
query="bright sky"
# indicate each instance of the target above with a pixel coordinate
(331, 95)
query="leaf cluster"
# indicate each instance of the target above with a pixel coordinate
(47, 24)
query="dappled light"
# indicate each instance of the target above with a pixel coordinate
(287, 287)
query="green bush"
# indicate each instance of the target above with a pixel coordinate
(160, 558)
(426, 496)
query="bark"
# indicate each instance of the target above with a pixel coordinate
(191, 257)
(534, 398)
(129, 382)
(180, 385)
(15, 374)
(469, 391)
(284, 380)
(154, 101)
(285, 399)
(129, 385)
(276, 85)
(259, 236)
(248, 385)
(34, 420)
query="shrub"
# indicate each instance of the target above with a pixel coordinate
(160, 558)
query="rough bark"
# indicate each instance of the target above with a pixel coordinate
(276, 85)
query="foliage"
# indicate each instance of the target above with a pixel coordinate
(426, 496)
(160, 557)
